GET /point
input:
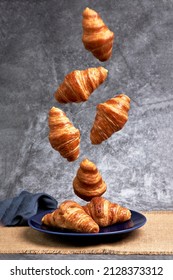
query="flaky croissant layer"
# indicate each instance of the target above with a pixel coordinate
(70, 215)
(97, 38)
(111, 116)
(88, 182)
(63, 136)
(106, 213)
(79, 84)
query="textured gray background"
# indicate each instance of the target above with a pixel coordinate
(40, 42)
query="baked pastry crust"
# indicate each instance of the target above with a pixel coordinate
(88, 182)
(106, 213)
(97, 38)
(80, 84)
(111, 117)
(70, 215)
(63, 136)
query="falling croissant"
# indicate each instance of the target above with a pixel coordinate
(70, 215)
(79, 84)
(97, 38)
(88, 182)
(106, 213)
(111, 116)
(63, 136)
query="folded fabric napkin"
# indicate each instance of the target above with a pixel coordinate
(16, 211)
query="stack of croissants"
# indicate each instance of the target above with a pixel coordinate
(64, 137)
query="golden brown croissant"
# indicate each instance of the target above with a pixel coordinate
(111, 116)
(79, 84)
(88, 182)
(63, 136)
(70, 215)
(105, 213)
(97, 38)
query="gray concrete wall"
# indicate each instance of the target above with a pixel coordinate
(40, 42)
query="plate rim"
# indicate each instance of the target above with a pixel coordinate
(83, 234)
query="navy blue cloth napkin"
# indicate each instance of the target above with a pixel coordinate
(16, 211)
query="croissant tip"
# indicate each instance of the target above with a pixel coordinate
(86, 163)
(124, 96)
(54, 109)
(101, 67)
(103, 70)
(88, 10)
(106, 70)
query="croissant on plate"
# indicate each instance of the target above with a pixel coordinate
(88, 182)
(70, 215)
(63, 136)
(111, 116)
(106, 213)
(79, 84)
(97, 38)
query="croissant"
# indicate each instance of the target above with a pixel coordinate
(63, 136)
(111, 116)
(88, 182)
(79, 84)
(105, 213)
(70, 215)
(97, 38)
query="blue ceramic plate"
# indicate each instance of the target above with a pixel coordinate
(137, 220)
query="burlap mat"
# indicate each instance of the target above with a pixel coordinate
(155, 237)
